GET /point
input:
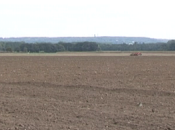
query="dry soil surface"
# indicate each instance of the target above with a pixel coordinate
(87, 93)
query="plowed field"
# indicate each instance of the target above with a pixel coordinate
(87, 93)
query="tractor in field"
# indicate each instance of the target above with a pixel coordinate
(136, 54)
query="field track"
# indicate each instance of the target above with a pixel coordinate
(103, 53)
(87, 92)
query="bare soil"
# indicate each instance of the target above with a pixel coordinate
(87, 93)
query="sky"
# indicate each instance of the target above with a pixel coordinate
(81, 18)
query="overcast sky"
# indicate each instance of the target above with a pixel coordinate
(55, 18)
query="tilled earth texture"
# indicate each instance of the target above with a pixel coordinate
(87, 93)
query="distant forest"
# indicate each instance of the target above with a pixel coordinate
(84, 46)
(97, 39)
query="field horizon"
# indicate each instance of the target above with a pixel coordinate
(96, 53)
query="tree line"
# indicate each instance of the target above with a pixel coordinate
(47, 47)
(84, 46)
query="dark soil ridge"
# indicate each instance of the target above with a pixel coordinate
(94, 88)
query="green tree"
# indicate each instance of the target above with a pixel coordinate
(86, 46)
(9, 49)
(60, 47)
(171, 45)
(25, 49)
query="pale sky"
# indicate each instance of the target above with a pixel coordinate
(55, 18)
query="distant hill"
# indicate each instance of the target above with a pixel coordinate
(103, 39)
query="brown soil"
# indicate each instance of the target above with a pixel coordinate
(87, 93)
